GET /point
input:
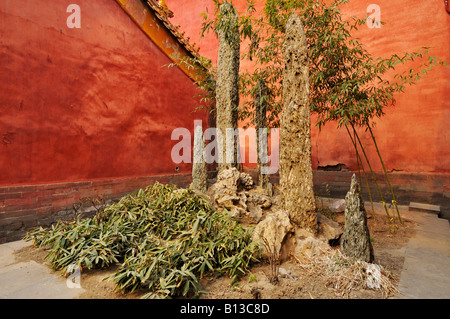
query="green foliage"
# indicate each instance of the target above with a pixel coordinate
(165, 238)
(348, 85)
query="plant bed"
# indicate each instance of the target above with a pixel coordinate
(160, 242)
(163, 240)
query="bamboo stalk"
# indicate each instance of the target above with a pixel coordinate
(373, 174)
(357, 161)
(385, 174)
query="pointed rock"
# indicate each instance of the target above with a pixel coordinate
(227, 85)
(355, 241)
(199, 168)
(261, 138)
(296, 179)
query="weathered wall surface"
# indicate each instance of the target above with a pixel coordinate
(90, 104)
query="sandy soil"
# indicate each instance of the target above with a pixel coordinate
(299, 284)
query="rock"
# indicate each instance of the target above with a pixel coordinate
(237, 212)
(226, 201)
(301, 234)
(246, 181)
(338, 206)
(296, 179)
(227, 84)
(310, 247)
(261, 200)
(274, 229)
(227, 182)
(199, 168)
(328, 229)
(355, 240)
(266, 204)
(255, 213)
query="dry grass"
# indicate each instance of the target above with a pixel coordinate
(344, 275)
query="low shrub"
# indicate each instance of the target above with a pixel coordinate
(164, 238)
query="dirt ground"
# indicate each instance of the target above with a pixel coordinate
(298, 284)
(304, 284)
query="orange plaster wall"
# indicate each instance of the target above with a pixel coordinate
(413, 136)
(89, 103)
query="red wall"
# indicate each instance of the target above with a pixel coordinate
(88, 103)
(83, 112)
(413, 136)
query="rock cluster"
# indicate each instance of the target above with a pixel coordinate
(285, 239)
(232, 192)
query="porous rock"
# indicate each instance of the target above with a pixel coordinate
(227, 84)
(338, 206)
(296, 179)
(246, 181)
(274, 229)
(355, 240)
(328, 229)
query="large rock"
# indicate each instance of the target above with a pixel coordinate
(274, 228)
(227, 182)
(226, 201)
(310, 247)
(199, 168)
(328, 229)
(296, 179)
(230, 192)
(261, 139)
(338, 206)
(355, 241)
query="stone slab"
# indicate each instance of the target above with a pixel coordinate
(30, 280)
(424, 207)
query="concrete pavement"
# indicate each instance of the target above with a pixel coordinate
(30, 280)
(426, 270)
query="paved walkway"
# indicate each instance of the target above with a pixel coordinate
(30, 280)
(426, 272)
